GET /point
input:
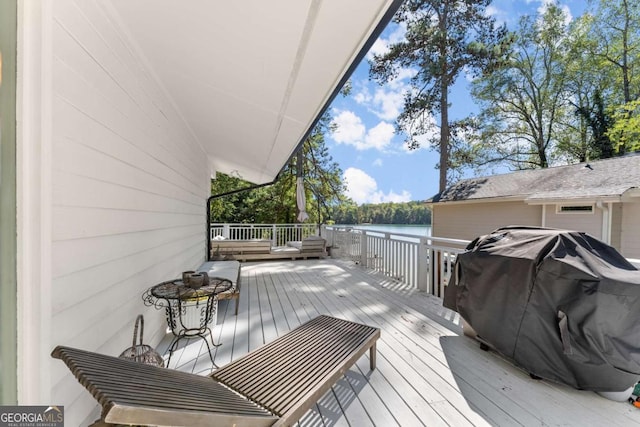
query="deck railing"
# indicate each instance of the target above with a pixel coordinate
(279, 234)
(423, 262)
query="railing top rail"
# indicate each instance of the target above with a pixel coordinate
(432, 239)
(446, 249)
(451, 241)
(374, 232)
(220, 224)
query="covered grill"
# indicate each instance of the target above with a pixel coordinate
(562, 304)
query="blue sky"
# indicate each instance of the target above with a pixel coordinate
(377, 165)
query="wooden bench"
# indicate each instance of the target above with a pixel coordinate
(272, 385)
(239, 247)
(229, 270)
(255, 250)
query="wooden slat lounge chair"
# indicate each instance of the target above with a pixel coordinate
(272, 385)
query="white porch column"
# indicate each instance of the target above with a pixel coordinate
(34, 205)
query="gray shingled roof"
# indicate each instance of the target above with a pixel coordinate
(600, 178)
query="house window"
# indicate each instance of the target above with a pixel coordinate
(574, 209)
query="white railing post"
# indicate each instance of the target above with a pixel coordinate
(363, 248)
(225, 231)
(423, 265)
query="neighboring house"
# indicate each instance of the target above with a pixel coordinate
(601, 198)
(114, 115)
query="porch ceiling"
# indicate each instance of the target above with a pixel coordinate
(251, 77)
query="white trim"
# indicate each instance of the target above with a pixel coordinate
(544, 216)
(572, 200)
(33, 182)
(610, 223)
(604, 236)
(482, 200)
(606, 221)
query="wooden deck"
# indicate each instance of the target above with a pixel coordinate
(427, 372)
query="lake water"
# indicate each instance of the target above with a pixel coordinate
(416, 230)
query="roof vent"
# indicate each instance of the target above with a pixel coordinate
(588, 166)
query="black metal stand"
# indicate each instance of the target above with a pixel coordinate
(189, 311)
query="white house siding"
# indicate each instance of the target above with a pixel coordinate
(129, 183)
(470, 220)
(630, 235)
(590, 223)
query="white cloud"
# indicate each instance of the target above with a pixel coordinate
(492, 11)
(388, 104)
(350, 128)
(544, 5)
(385, 101)
(351, 131)
(362, 188)
(381, 45)
(363, 96)
(377, 162)
(403, 74)
(500, 15)
(378, 137)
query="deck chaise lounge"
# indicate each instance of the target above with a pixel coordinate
(261, 249)
(273, 385)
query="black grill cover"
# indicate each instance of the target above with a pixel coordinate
(562, 304)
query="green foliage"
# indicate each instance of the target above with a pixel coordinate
(382, 213)
(564, 93)
(626, 129)
(616, 32)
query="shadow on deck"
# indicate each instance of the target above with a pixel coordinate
(427, 372)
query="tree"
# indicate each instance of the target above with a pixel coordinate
(626, 129)
(524, 103)
(322, 175)
(586, 83)
(617, 31)
(599, 121)
(616, 28)
(443, 39)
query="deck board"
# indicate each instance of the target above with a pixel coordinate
(427, 372)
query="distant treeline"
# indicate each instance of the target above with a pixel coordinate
(382, 213)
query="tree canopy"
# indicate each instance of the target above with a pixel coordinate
(382, 213)
(524, 104)
(443, 39)
(555, 90)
